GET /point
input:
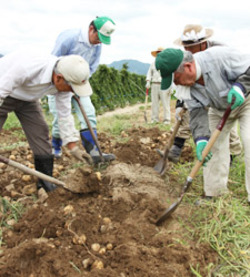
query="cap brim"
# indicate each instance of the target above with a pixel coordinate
(166, 82)
(82, 89)
(104, 39)
(154, 53)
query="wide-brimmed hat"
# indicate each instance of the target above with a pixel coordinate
(155, 52)
(193, 34)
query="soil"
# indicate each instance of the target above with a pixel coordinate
(109, 228)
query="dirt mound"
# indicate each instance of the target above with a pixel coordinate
(108, 229)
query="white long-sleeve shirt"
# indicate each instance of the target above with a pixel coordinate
(28, 76)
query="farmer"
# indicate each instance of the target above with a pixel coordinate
(195, 39)
(27, 77)
(88, 44)
(153, 79)
(215, 77)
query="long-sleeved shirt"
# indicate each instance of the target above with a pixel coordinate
(28, 76)
(221, 67)
(153, 74)
(76, 41)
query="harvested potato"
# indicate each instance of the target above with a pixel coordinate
(95, 247)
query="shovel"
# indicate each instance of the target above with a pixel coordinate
(161, 165)
(197, 165)
(89, 126)
(38, 174)
(146, 104)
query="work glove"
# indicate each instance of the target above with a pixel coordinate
(200, 145)
(177, 113)
(148, 84)
(1, 101)
(235, 92)
(81, 155)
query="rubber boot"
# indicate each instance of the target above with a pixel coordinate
(90, 147)
(44, 164)
(57, 147)
(175, 151)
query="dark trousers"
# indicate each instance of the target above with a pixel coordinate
(33, 123)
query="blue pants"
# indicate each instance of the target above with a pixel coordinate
(87, 106)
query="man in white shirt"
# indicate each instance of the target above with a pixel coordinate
(27, 77)
(154, 81)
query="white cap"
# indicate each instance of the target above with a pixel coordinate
(75, 70)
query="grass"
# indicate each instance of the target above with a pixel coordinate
(9, 210)
(224, 223)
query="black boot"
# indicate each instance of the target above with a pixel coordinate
(90, 147)
(44, 164)
(175, 151)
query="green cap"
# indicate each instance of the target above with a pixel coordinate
(167, 61)
(105, 27)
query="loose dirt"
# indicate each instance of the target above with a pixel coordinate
(109, 229)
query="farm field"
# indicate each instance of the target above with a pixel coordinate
(109, 228)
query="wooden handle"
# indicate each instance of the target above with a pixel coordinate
(31, 171)
(211, 142)
(176, 128)
(89, 126)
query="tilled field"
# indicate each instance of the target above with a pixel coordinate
(106, 230)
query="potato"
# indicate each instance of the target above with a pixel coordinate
(109, 246)
(95, 247)
(68, 209)
(97, 264)
(26, 178)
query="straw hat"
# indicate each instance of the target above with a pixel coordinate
(154, 53)
(193, 34)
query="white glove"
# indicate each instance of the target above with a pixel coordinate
(177, 113)
(148, 84)
(1, 101)
(81, 155)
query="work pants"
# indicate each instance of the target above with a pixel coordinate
(33, 123)
(158, 95)
(216, 172)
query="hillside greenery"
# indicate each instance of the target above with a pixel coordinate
(114, 88)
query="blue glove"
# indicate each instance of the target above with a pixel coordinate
(200, 145)
(235, 92)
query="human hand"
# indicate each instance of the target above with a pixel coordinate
(81, 155)
(148, 84)
(235, 92)
(177, 113)
(200, 146)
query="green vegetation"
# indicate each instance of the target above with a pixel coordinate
(113, 89)
(9, 211)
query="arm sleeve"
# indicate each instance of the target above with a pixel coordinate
(199, 123)
(66, 121)
(149, 74)
(243, 81)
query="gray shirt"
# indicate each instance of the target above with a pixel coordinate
(221, 67)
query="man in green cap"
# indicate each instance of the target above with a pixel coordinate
(214, 78)
(88, 44)
(195, 38)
